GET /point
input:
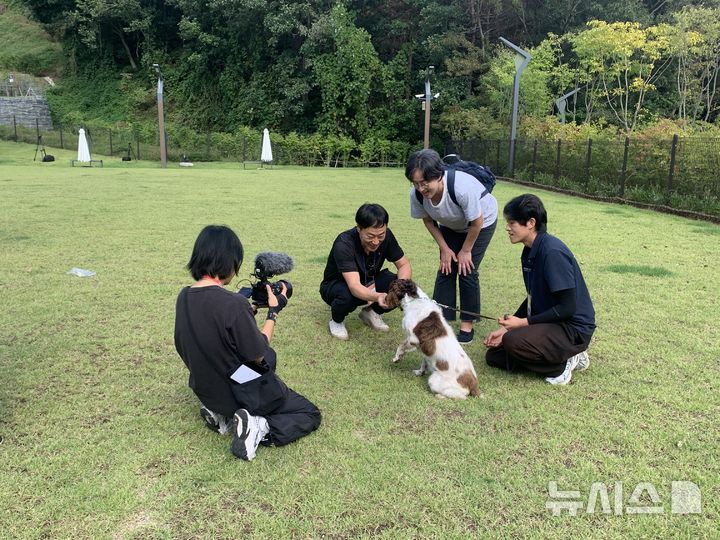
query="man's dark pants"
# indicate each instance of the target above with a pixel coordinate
(341, 301)
(469, 284)
(541, 348)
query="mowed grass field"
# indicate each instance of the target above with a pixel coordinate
(102, 434)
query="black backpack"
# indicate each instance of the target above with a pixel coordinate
(482, 174)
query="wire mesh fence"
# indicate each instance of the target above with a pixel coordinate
(677, 172)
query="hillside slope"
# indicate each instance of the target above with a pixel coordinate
(25, 46)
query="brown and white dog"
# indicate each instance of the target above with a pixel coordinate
(451, 371)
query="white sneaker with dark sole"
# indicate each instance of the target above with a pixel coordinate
(373, 320)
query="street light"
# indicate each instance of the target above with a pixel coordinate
(561, 104)
(522, 59)
(161, 117)
(426, 98)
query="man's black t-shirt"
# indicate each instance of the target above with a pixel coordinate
(225, 335)
(347, 255)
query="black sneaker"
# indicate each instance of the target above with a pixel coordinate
(210, 420)
(465, 338)
(241, 430)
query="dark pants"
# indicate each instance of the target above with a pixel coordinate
(469, 284)
(541, 348)
(341, 301)
(295, 418)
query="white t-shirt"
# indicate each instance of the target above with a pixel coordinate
(468, 191)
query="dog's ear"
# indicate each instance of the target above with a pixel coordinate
(406, 286)
(394, 295)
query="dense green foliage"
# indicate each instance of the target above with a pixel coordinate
(350, 69)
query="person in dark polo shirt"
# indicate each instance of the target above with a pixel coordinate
(550, 332)
(354, 274)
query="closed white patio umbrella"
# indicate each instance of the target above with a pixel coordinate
(83, 149)
(266, 153)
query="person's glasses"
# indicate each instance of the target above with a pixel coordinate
(423, 183)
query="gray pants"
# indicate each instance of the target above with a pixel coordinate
(469, 284)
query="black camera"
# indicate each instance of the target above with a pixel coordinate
(268, 265)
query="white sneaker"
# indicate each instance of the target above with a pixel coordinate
(583, 361)
(249, 431)
(565, 376)
(338, 330)
(373, 320)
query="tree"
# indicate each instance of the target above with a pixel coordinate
(626, 60)
(345, 67)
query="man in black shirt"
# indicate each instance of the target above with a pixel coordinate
(354, 274)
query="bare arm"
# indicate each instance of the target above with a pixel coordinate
(404, 270)
(358, 290)
(446, 254)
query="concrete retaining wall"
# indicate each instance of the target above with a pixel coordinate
(26, 110)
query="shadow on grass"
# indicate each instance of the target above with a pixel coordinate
(650, 271)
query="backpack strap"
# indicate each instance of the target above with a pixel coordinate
(451, 185)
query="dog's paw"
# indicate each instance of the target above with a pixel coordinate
(418, 372)
(440, 396)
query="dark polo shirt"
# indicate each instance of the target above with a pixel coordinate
(549, 266)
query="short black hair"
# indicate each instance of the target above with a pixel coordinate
(426, 161)
(526, 206)
(217, 252)
(371, 215)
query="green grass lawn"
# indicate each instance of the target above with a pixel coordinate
(102, 434)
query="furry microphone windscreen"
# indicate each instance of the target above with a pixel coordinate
(271, 263)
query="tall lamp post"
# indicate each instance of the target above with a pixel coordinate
(522, 59)
(161, 117)
(561, 104)
(426, 98)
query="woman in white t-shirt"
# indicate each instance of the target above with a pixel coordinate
(462, 231)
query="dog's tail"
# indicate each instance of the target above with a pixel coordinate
(468, 380)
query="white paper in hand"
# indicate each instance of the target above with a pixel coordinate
(244, 374)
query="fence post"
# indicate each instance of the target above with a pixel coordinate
(588, 159)
(497, 157)
(673, 151)
(110, 135)
(61, 138)
(623, 176)
(557, 160)
(15, 128)
(37, 127)
(137, 143)
(534, 161)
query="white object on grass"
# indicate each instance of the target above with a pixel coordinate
(81, 272)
